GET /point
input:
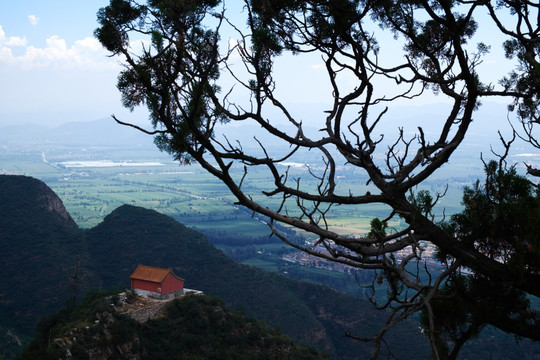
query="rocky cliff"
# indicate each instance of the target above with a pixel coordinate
(33, 200)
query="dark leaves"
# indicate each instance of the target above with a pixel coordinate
(501, 218)
(114, 20)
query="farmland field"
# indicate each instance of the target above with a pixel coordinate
(93, 177)
(92, 189)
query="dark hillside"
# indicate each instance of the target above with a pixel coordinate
(29, 201)
(38, 238)
(308, 313)
(143, 236)
(193, 327)
(40, 243)
(43, 248)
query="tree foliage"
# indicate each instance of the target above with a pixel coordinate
(500, 219)
(180, 74)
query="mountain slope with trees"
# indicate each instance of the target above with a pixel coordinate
(50, 262)
(193, 327)
(40, 243)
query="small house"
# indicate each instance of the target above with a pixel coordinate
(156, 282)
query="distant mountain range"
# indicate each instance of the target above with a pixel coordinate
(490, 118)
(102, 132)
(47, 260)
(121, 140)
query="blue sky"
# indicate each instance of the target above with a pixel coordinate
(52, 68)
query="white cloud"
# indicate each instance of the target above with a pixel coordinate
(54, 42)
(84, 54)
(33, 19)
(10, 41)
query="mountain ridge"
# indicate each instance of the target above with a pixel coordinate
(32, 195)
(71, 260)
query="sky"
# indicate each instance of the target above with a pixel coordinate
(52, 69)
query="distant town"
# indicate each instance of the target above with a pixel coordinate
(305, 259)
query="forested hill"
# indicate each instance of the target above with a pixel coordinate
(192, 327)
(31, 202)
(311, 314)
(47, 260)
(39, 241)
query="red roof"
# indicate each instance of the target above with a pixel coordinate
(153, 274)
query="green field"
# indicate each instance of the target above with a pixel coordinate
(193, 197)
(187, 193)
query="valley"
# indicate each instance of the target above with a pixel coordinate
(93, 180)
(96, 168)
